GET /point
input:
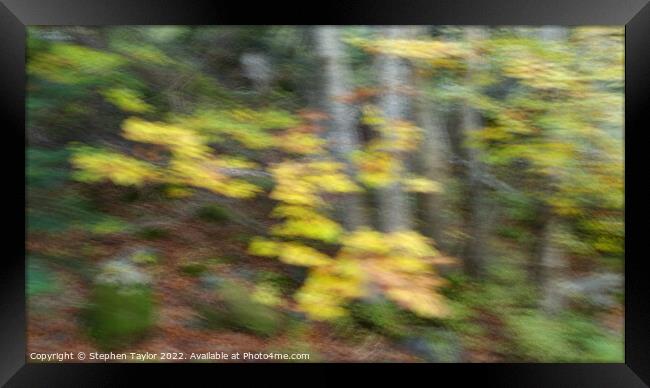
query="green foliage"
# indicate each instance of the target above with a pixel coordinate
(152, 233)
(567, 338)
(53, 206)
(267, 294)
(72, 211)
(277, 279)
(73, 64)
(144, 256)
(443, 345)
(40, 279)
(118, 316)
(193, 269)
(46, 169)
(382, 316)
(517, 234)
(214, 213)
(237, 310)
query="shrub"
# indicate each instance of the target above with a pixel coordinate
(565, 338)
(382, 316)
(236, 310)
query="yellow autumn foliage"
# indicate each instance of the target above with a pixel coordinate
(127, 100)
(398, 264)
(267, 295)
(183, 142)
(263, 247)
(289, 252)
(420, 185)
(430, 50)
(301, 255)
(307, 223)
(95, 165)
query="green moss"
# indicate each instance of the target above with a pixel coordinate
(152, 233)
(193, 269)
(118, 316)
(213, 213)
(144, 257)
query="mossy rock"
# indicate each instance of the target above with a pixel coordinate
(381, 316)
(236, 310)
(118, 316)
(121, 306)
(213, 213)
(193, 269)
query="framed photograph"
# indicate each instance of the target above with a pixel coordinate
(430, 189)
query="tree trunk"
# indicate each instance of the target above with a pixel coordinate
(432, 160)
(394, 77)
(343, 136)
(476, 201)
(549, 263)
(542, 232)
(551, 271)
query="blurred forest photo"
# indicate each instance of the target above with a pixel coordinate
(334, 194)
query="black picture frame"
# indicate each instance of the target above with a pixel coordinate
(15, 15)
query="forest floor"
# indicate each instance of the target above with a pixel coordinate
(55, 319)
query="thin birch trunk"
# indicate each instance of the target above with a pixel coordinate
(343, 136)
(394, 77)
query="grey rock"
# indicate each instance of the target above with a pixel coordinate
(210, 281)
(419, 347)
(257, 68)
(436, 346)
(597, 290)
(122, 273)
